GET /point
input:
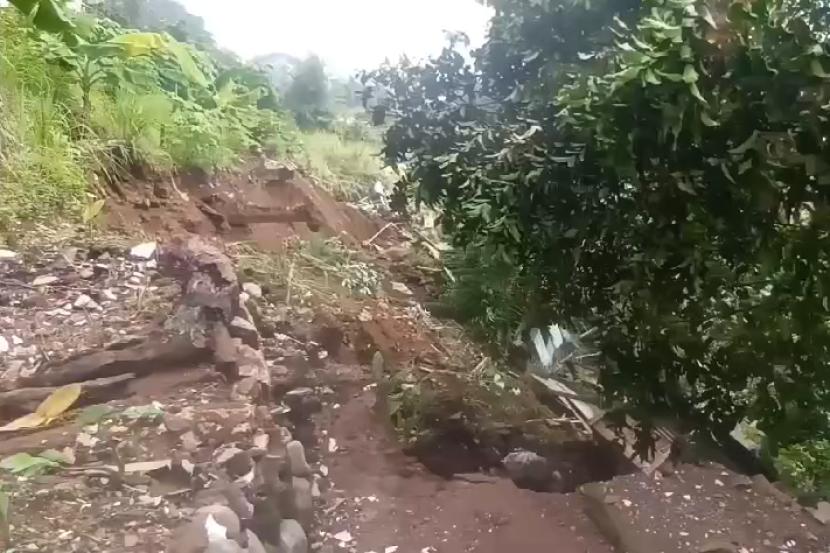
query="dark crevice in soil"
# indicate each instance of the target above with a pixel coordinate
(456, 451)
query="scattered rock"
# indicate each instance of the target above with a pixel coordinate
(292, 537)
(176, 423)
(401, 288)
(240, 464)
(529, 470)
(190, 442)
(245, 331)
(4, 345)
(45, 280)
(85, 302)
(303, 403)
(822, 512)
(143, 251)
(109, 294)
(224, 516)
(7, 254)
(252, 289)
(296, 459)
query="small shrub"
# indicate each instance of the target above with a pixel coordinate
(806, 467)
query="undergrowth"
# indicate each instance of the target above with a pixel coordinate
(346, 163)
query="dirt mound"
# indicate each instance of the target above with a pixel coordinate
(267, 204)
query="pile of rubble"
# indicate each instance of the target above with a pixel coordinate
(252, 480)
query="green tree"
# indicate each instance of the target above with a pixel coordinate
(308, 94)
(662, 175)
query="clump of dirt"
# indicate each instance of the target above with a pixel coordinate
(267, 204)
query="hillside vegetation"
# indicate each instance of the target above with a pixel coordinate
(657, 169)
(85, 100)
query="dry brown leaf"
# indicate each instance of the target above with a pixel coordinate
(32, 420)
(59, 402)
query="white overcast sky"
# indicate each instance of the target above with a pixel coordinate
(348, 34)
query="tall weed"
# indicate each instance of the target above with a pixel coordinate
(347, 168)
(41, 168)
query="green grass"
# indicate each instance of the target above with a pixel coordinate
(347, 168)
(42, 171)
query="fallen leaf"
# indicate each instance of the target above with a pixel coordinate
(27, 465)
(59, 402)
(32, 420)
(94, 414)
(57, 456)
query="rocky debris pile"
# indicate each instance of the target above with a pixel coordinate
(252, 480)
(55, 303)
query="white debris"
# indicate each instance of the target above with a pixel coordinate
(17, 340)
(45, 280)
(143, 251)
(215, 531)
(4, 345)
(718, 482)
(332, 445)
(627, 502)
(401, 288)
(85, 302)
(324, 470)
(109, 294)
(344, 536)
(391, 549)
(7, 254)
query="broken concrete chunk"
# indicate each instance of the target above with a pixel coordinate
(245, 331)
(143, 251)
(252, 289)
(296, 459)
(292, 537)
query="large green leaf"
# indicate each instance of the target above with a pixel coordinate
(46, 15)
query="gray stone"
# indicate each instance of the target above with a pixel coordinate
(254, 543)
(303, 501)
(245, 331)
(296, 459)
(529, 470)
(176, 424)
(292, 537)
(85, 302)
(223, 515)
(252, 289)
